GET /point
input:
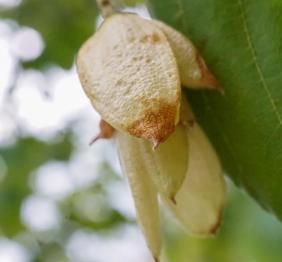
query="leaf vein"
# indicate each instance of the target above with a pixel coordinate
(255, 61)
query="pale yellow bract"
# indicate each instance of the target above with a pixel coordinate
(129, 72)
(167, 164)
(192, 68)
(143, 190)
(201, 199)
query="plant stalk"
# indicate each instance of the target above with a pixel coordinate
(106, 7)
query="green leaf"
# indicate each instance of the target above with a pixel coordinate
(63, 24)
(241, 42)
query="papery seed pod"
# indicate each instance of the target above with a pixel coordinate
(142, 188)
(201, 198)
(192, 67)
(129, 72)
(168, 163)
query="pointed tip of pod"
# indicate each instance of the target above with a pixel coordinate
(156, 259)
(156, 126)
(193, 70)
(208, 79)
(106, 132)
(212, 230)
(156, 144)
(215, 227)
(94, 139)
(173, 200)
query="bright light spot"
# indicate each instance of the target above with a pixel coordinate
(120, 198)
(85, 164)
(39, 213)
(39, 114)
(9, 3)
(6, 65)
(11, 251)
(111, 157)
(124, 245)
(53, 180)
(27, 44)
(140, 10)
(6, 28)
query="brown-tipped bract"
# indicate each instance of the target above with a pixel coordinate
(129, 72)
(192, 68)
(201, 199)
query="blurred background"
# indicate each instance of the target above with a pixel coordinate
(62, 200)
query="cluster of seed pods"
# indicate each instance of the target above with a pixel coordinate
(133, 70)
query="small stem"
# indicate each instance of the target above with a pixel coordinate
(106, 7)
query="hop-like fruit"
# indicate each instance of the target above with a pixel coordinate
(131, 70)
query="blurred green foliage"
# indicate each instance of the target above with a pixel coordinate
(63, 24)
(247, 234)
(90, 207)
(87, 208)
(21, 159)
